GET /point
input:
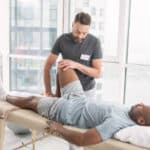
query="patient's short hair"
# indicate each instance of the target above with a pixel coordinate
(134, 114)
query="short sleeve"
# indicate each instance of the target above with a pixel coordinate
(57, 46)
(97, 50)
(108, 128)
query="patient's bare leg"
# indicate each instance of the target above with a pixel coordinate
(63, 78)
(29, 102)
(57, 94)
(66, 77)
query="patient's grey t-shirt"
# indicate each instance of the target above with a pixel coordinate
(107, 118)
(83, 53)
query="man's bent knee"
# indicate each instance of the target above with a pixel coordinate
(66, 76)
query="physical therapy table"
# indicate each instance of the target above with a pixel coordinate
(35, 122)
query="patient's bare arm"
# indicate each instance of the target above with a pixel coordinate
(89, 137)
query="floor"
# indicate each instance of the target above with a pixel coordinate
(51, 143)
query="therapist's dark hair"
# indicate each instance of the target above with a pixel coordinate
(83, 18)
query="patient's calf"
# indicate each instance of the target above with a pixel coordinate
(29, 102)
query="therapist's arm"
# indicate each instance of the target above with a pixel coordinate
(93, 71)
(51, 59)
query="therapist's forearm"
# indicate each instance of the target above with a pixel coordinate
(47, 82)
(90, 71)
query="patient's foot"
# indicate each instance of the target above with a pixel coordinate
(29, 102)
(2, 93)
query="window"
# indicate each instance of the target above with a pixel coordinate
(33, 32)
(105, 18)
(123, 29)
(139, 45)
(26, 74)
(105, 25)
(138, 68)
(138, 85)
(111, 82)
(35, 24)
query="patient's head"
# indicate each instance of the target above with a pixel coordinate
(140, 113)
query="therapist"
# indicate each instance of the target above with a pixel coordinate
(80, 51)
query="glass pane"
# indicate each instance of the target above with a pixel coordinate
(50, 16)
(105, 17)
(138, 85)
(139, 44)
(34, 31)
(26, 42)
(26, 13)
(49, 39)
(27, 75)
(13, 13)
(111, 78)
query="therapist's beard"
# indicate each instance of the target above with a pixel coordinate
(78, 40)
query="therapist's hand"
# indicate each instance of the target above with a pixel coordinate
(66, 64)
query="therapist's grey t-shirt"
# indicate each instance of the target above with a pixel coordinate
(83, 53)
(105, 117)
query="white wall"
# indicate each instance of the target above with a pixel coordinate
(4, 37)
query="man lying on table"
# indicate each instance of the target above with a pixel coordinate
(102, 120)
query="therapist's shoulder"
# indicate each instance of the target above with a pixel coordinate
(92, 37)
(64, 36)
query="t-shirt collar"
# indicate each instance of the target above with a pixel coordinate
(71, 36)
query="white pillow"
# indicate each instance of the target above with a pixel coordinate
(137, 135)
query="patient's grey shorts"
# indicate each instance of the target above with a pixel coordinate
(47, 106)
